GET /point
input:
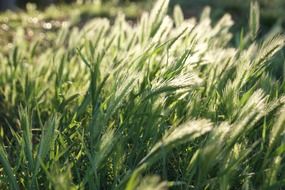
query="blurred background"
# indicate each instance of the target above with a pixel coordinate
(272, 10)
(28, 18)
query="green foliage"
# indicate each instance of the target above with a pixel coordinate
(254, 19)
(154, 104)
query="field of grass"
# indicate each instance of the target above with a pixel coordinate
(160, 103)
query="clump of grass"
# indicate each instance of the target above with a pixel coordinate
(114, 106)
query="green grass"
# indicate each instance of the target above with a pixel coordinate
(164, 102)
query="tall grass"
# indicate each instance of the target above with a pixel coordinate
(161, 103)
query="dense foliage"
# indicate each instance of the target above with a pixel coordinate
(159, 103)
